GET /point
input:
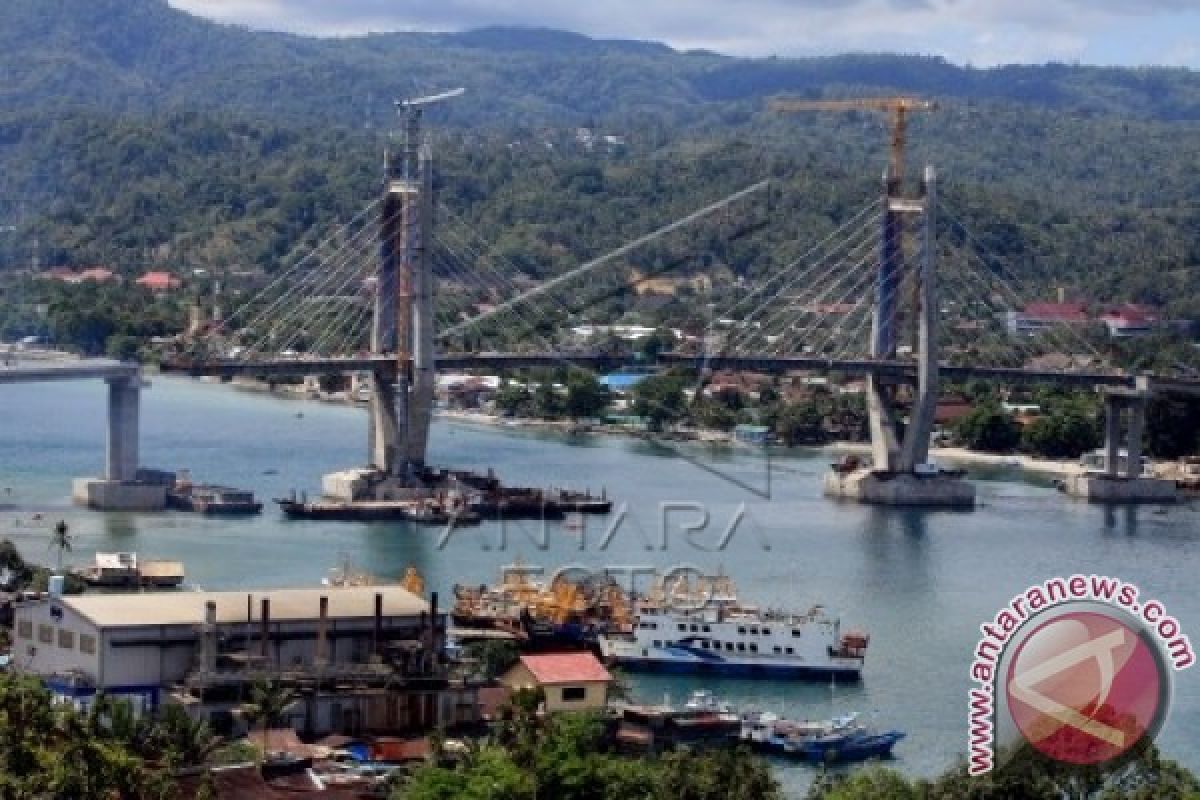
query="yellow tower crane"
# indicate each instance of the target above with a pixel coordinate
(898, 107)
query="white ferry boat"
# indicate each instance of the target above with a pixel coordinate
(707, 630)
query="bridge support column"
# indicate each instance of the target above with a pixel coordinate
(383, 423)
(424, 380)
(120, 489)
(124, 408)
(920, 423)
(1121, 480)
(885, 448)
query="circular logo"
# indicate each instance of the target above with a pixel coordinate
(1085, 687)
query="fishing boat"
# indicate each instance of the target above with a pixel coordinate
(840, 739)
(702, 720)
(559, 613)
(707, 629)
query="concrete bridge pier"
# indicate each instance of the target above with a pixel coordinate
(1121, 480)
(123, 486)
(124, 410)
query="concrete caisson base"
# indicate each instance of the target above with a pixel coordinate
(936, 491)
(101, 495)
(1103, 489)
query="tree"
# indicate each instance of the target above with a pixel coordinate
(659, 399)
(989, 428)
(514, 399)
(1026, 774)
(799, 423)
(1061, 434)
(122, 347)
(185, 742)
(494, 657)
(586, 396)
(61, 540)
(270, 702)
(1173, 426)
(49, 750)
(548, 403)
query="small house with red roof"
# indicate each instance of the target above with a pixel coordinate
(97, 275)
(1037, 317)
(570, 681)
(1130, 319)
(159, 282)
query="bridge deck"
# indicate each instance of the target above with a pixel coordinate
(85, 369)
(899, 370)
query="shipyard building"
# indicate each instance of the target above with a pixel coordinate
(361, 659)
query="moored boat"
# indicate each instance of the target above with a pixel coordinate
(706, 629)
(202, 498)
(124, 570)
(422, 512)
(840, 739)
(560, 613)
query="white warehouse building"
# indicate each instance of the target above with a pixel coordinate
(373, 654)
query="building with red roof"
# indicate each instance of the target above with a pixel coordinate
(1130, 319)
(97, 275)
(570, 681)
(1037, 317)
(159, 281)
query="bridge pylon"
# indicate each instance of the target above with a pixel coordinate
(901, 473)
(402, 383)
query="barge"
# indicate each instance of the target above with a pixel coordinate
(203, 498)
(124, 571)
(419, 511)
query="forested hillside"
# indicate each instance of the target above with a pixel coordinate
(135, 135)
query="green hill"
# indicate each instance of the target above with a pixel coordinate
(135, 134)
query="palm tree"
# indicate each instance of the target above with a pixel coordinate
(269, 702)
(184, 741)
(61, 540)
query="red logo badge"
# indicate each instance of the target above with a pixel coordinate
(1085, 687)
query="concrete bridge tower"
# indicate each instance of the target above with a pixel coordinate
(900, 473)
(401, 396)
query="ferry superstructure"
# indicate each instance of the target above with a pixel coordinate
(707, 630)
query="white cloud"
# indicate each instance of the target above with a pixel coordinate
(977, 31)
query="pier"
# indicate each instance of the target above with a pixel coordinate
(122, 486)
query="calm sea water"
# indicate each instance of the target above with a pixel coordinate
(920, 582)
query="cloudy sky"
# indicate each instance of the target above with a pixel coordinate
(980, 32)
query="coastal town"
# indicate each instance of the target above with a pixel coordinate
(431, 407)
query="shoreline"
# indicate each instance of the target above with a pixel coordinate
(955, 455)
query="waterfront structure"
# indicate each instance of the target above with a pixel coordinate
(570, 681)
(362, 659)
(123, 486)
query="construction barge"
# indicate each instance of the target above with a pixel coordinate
(203, 498)
(423, 511)
(439, 497)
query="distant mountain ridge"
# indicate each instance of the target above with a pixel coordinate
(143, 55)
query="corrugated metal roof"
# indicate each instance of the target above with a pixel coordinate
(188, 608)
